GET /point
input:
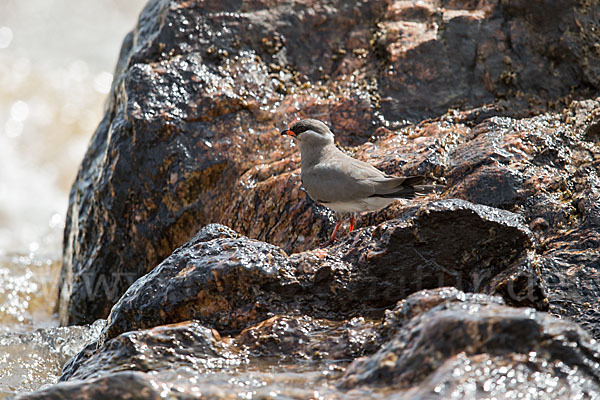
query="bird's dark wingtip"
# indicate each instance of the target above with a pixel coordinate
(413, 180)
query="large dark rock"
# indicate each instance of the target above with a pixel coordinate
(231, 282)
(442, 243)
(201, 88)
(225, 282)
(442, 54)
(446, 342)
(570, 270)
(544, 168)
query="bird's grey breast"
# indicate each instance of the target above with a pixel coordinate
(310, 181)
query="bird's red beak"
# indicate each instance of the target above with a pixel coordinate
(287, 132)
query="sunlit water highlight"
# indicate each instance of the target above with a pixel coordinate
(56, 63)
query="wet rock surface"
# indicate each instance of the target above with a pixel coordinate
(164, 347)
(466, 326)
(557, 169)
(286, 339)
(433, 344)
(498, 101)
(505, 378)
(139, 387)
(189, 135)
(229, 283)
(303, 337)
(441, 243)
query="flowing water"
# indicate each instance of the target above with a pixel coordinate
(56, 63)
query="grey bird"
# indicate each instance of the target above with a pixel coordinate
(342, 183)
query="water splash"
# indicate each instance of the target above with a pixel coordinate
(30, 360)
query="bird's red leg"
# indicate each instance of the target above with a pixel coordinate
(352, 221)
(337, 227)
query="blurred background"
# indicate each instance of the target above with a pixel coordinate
(56, 64)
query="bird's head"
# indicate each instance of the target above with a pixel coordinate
(310, 132)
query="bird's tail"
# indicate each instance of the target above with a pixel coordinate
(405, 187)
(422, 190)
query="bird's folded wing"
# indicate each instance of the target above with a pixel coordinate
(352, 179)
(329, 183)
